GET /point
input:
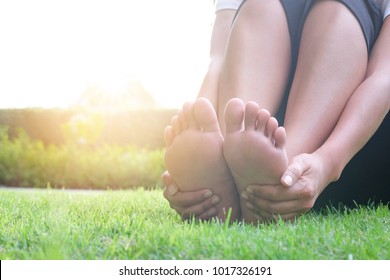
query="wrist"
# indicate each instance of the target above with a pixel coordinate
(332, 165)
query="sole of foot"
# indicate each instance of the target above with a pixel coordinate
(254, 148)
(194, 155)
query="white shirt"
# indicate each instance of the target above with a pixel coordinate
(385, 7)
(234, 4)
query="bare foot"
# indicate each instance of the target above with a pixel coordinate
(254, 148)
(194, 156)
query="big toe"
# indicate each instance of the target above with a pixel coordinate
(188, 116)
(251, 111)
(205, 115)
(234, 115)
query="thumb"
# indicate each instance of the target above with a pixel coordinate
(167, 178)
(169, 184)
(293, 172)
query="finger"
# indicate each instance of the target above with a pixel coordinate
(186, 199)
(198, 202)
(204, 209)
(167, 179)
(170, 191)
(293, 172)
(207, 215)
(274, 193)
(259, 214)
(263, 217)
(170, 187)
(269, 208)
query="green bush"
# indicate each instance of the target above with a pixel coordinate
(139, 128)
(30, 163)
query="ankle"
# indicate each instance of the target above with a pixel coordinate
(331, 166)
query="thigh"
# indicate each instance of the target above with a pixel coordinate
(257, 59)
(367, 12)
(296, 13)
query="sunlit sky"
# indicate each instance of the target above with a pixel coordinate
(51, 51)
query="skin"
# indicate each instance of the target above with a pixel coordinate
(362, 105)
(194, 155)
(261, 144)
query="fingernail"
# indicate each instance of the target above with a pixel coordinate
(172, 189)
(215, 200)
(207, 194)
(244, 196)
(249, 190)
(288, 180)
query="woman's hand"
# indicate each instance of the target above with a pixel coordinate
(301, 184)
(198, 204)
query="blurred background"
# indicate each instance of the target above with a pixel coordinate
(87, 87)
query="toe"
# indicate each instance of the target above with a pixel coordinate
(189, 115)
(272, 125)
(251, 111)
(176, 125)
(234, 115)
(280, 137)
(169, 135)
(205, 116)
(263, 117)
(182, 120)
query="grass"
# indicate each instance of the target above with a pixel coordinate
(29, 163)
(139, 224)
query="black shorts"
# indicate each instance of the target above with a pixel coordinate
(367, 12)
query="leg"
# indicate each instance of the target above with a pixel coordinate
(332, 62)
(256, 68)
(257, 60)
(255, 154)
(194, 155)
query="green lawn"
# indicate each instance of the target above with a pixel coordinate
(139, 224)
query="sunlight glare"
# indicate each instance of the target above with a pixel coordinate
(52, 51)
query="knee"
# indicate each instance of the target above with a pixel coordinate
(334, 18)
(260, 10)
(338, 13)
